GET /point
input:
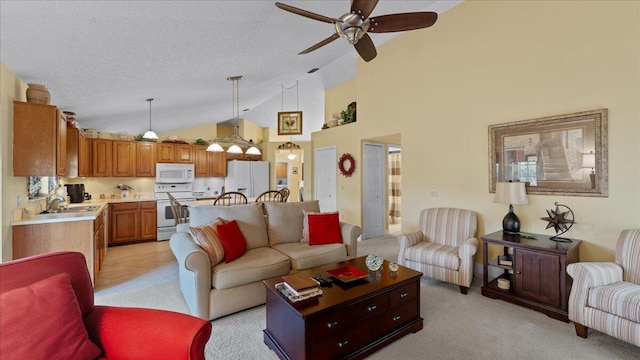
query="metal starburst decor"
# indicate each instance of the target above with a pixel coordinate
(561, 221)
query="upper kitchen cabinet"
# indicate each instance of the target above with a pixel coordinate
(175, 153)
(124, 159)
(78, 154)
(102, 157)
(145, 159)
(39, 140)
(209, 163)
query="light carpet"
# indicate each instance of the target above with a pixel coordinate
(456, 326)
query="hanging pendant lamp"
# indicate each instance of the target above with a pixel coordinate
(235, 139)
(150, 135)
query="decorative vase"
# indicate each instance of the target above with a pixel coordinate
(39, 94)
(374, 262)
(124, 194)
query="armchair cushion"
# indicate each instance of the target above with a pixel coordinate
(43, 321)
(434, 254)
(621, 299)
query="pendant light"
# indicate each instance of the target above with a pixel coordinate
(150, 135)
(235, 139)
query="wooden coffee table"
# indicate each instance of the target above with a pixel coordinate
(349, 320)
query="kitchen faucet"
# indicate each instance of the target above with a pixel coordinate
(51, 201)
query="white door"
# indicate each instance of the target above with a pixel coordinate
(325, 177)
(373, 190)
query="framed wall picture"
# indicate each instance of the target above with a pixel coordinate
(290, 123)
(555, 155)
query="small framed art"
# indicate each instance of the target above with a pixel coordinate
(290, 123)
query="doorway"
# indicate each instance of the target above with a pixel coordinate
(288, 172)
(373, 189)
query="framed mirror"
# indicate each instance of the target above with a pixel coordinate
(555, 155)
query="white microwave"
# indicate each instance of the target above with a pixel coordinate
(174, 173)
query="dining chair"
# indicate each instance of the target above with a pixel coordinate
(230, 198)
(180, 212)
(285, 194)
(270, 195)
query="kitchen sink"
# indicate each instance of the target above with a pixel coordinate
(86, 208)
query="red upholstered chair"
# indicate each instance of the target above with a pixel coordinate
(119, 332)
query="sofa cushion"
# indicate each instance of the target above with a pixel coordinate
(232, 240)
(324, 228)
(255, 265)
(284, 220)
(250, 220)
(207, 237)
(620, 299)
(434, 254)
(305, 256)
(43, 321)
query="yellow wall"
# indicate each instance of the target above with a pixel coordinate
(338, 97)
(206, 132)
(11, 88)
(493, 62)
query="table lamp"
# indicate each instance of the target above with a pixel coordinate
(511, 193)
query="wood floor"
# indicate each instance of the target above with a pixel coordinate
(127, 262)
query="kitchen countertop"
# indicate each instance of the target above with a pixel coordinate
(21, 218)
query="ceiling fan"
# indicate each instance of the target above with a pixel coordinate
(354, 26)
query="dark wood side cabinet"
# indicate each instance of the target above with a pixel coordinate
(537, 275)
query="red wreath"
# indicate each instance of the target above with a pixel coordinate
(347, 171)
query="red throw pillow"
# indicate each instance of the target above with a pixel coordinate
(324, 228)
(232, 240)
(43, 321)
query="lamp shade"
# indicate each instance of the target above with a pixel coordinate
(151, 135)
(589, 160)
(253, 151)
(215, 147)
(511, 193)
(234, 149)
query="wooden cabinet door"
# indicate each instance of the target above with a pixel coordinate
(184, 153)
(84, 155)
(148, 220)
(124, 159)
(537, 276)
(281, 169)
(165, 153)
(35, 135)
(201, 161)
(102, 157)
(61, 144)
(217, 164)
(145, 159)
(124, 223)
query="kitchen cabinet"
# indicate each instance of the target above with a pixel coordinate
(175, 153)
(124, 159)
(78, 153)
(537, 274)
(208, 163)
(39, 140)
(145, 159)
(102, 157)
(243, 157)
(132, 222)
(281, 170)
(86, 237)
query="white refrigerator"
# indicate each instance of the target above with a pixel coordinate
(248, 177)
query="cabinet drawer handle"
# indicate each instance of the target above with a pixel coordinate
(372, 307)
(343, 343)
(518, 272)
(404, 294)
(332, 324)
(396, 318)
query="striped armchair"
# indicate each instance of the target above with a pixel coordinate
(443, 247)
(606, 295)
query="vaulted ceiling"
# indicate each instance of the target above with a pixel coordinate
(102, 59)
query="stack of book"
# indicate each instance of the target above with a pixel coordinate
(298, 287)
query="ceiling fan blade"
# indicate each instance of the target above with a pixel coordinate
(306, 13)
(363, 8)
(402, 22)
(365, 48)
(320, 44)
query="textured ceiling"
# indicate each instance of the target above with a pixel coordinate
(102, 59)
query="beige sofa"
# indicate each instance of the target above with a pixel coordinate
(273, 233)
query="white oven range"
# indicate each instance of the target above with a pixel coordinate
(182, 192)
